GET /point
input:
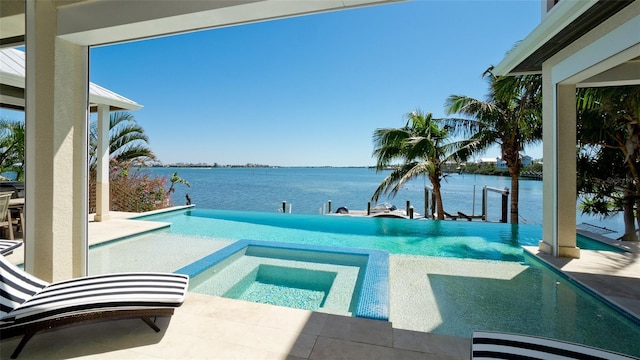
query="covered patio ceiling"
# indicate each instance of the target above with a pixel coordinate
(101, 22)
(565, 25)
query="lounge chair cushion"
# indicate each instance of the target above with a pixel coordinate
(16, 287)
(497, 345)
(105, 292)
(7, 246)
(25, 298)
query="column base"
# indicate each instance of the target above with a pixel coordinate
(544, 247)
(569, 252)
(100, 218)
(563, 251)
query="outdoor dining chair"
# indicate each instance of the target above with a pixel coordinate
(5, 219)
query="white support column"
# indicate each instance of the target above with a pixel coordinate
(103, 194)
(559, 167)
(549, 165)
(56, 148)
(566, 181)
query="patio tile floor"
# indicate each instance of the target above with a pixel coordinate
(258, 332)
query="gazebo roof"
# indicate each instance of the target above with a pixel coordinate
(12, 82)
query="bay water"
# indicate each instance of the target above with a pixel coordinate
(308, 191)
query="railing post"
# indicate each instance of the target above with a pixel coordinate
(284, 207)
(426, 202)
(329, 207)
(368, 208)
(484, 203)
(411, 212)
(505, 204)
(408, 206)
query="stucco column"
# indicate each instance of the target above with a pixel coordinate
(559, 167)
(567, 188)
(56, 148)
(103, 195)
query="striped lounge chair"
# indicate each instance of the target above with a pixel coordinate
(7, 246)
(29, 305)
(497, 345)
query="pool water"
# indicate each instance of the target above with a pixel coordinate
(584, 242)
(285, 286)
(459, 239)
(452, 276)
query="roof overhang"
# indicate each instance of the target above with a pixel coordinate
(12, 82)
(565, 23)
(99, 22)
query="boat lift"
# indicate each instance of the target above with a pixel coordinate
(430, 204)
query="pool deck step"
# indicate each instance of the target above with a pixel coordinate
(102, 232)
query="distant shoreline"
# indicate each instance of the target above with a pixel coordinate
(253, 166)
(527, 175)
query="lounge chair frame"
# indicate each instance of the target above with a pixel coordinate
(29, 305)
(29, 330)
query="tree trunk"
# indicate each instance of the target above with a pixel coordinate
(629, 217)
(511, 155)
(515, 190)
(435, 181)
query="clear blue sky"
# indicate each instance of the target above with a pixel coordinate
(309, 90)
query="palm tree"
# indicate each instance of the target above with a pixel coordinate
(12, 147)
(422, 146)
(511, 117)
(609, 126)
(127, 141)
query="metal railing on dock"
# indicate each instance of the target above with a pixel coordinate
(430, 205)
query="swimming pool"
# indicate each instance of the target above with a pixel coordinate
(459, 239)
(344, 281)
(445, 277)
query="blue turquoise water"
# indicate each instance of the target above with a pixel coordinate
(460, 239)
(307, 191)
(284, 286)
